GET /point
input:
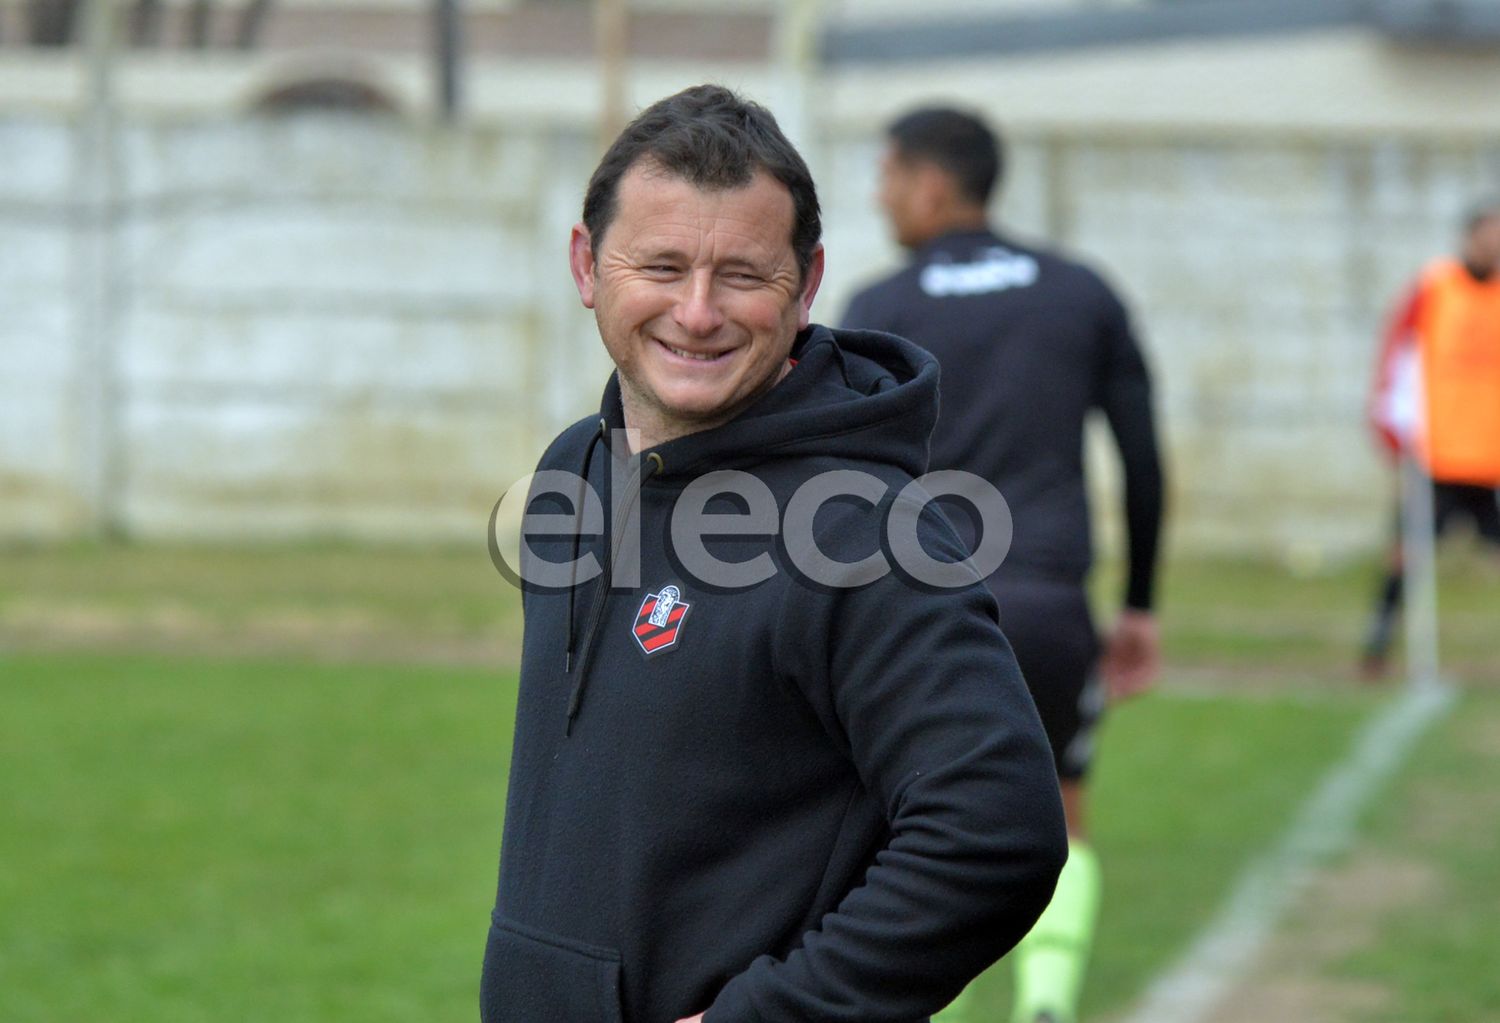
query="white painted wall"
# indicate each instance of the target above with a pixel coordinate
(320, 326)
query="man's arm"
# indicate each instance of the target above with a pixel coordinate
(921, 691)
(1132, 653)
(1392, 408)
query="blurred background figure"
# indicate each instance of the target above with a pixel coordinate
(1029, 343)
(1437, 402)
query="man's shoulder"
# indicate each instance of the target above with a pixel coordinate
(1067, 269)
(882, 292)
(1441, 270)
(1002, 263)
(895, 520)
(567, 449)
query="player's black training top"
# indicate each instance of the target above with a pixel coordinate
(1028, 343)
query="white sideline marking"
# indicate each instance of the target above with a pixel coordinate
(1225, 950)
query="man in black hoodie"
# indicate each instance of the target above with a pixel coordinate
(773, 758)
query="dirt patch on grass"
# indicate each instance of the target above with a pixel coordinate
(1342, 912)
(1302, 1000)
(1250, 680)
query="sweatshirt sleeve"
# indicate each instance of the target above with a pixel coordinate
(921, 689)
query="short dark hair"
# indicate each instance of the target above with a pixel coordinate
(958, 142)
(713, 139)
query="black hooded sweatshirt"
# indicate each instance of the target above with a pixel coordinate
(787, 803)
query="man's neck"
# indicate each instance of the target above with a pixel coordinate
(651, 427)
(645, 425)
(1479, 271)
(959, 220)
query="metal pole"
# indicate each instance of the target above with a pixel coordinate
(449, 39)
(252, 20)
(145, 23)
(1419, 556)
(612, 54)
(795, 58)
(200, 23)
(96, 192)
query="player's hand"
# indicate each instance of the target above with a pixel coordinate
(1132, 654)
(692, 1019)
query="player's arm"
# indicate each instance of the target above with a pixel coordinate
(1132, 653)
(1390, 410)
(921, 690)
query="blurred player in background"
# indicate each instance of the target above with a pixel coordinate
(1029, 343)
(1437, 400)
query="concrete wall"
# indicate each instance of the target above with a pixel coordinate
(288, 327)
(314, 326)
(39, 397)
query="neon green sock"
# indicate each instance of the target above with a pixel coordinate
(1051, 959)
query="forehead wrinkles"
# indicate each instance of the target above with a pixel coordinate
(752, 222)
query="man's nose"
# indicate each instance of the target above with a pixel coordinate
(697, 310)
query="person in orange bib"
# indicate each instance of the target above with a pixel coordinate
(1437, 400)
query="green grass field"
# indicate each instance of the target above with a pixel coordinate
(267, 784)
(202, 839)
(1434, 953)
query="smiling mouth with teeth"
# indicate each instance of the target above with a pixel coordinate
(710, 357)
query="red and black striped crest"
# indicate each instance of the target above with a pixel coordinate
(658, 623)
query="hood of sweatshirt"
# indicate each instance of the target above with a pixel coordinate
(852, 396)
(858, 394)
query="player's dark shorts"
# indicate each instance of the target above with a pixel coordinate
(1455, 502)
(1051, 629)
(1480, 505)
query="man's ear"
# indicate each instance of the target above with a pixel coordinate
(810, 282)
(581, 261)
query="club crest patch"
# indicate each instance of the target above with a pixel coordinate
(658, 623)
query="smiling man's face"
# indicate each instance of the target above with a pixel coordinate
(697, 296)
